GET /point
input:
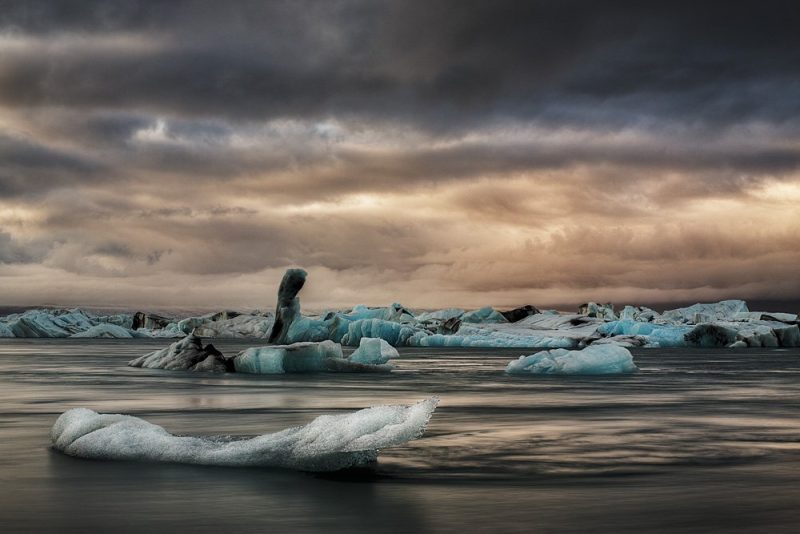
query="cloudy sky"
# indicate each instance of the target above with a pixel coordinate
(183, 154)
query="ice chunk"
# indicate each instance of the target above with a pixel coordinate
(593, 360)
(328, 443)
(441, 315)
(396, 312)
(49, 323)
(512, 316)
(107, 330)
(188, 353)
(287, 309)
(303, 357)
(396, 334)
(638, 313)
(725, 310)
(374, 351)
(5, 331)
(600, 311)
(622, 341)
(491, 339)
(484, 315)
(710, 335)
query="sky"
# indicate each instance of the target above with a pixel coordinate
(170, 155)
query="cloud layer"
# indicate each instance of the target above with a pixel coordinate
(178, 154)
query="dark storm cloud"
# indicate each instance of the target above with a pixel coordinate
(14, 251)
(434, 64)
(28, 167)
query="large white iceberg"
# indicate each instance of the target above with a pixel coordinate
(328, 443)
(593, 360)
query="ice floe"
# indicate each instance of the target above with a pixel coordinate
(328, 443)
(187, 354)
(593, 360)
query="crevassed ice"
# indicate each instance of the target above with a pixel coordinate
(593, 360)
(328, 443)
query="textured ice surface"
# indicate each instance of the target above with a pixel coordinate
(441, 315)
(328, 443)
(373, 351)
(107, 330)
(188, 353)
(306, 357)
(593, 360)
(704, 313)
(5, 331)
(484, 315)
(396, 334)
(700, 325)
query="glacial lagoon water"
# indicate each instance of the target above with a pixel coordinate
(698, 440)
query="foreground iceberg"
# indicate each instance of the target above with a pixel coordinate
(328, 443)
(593, 360)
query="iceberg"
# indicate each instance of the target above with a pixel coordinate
(593, 360)
(188, 354)
(484, 315)
(48, 323)
(373, 351)
(328, 443)
(304, 357)
(5, 331)
(710, 335)
(396, 334)
(512, 316)
(287, 310)
(601, 311)
(705, 313)
(108, 330)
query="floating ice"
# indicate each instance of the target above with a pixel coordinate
(328, 443)
(287, 309)
(593, 360)
(373, 351)
(5, 331)
(188, 353)
(484, 315)
(107, 330)
(295, 358)
(396, 334)
(705, 313)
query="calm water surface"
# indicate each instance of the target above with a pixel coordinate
(699, 440)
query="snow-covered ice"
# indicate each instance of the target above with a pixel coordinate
(593, 360)
(328, 443)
